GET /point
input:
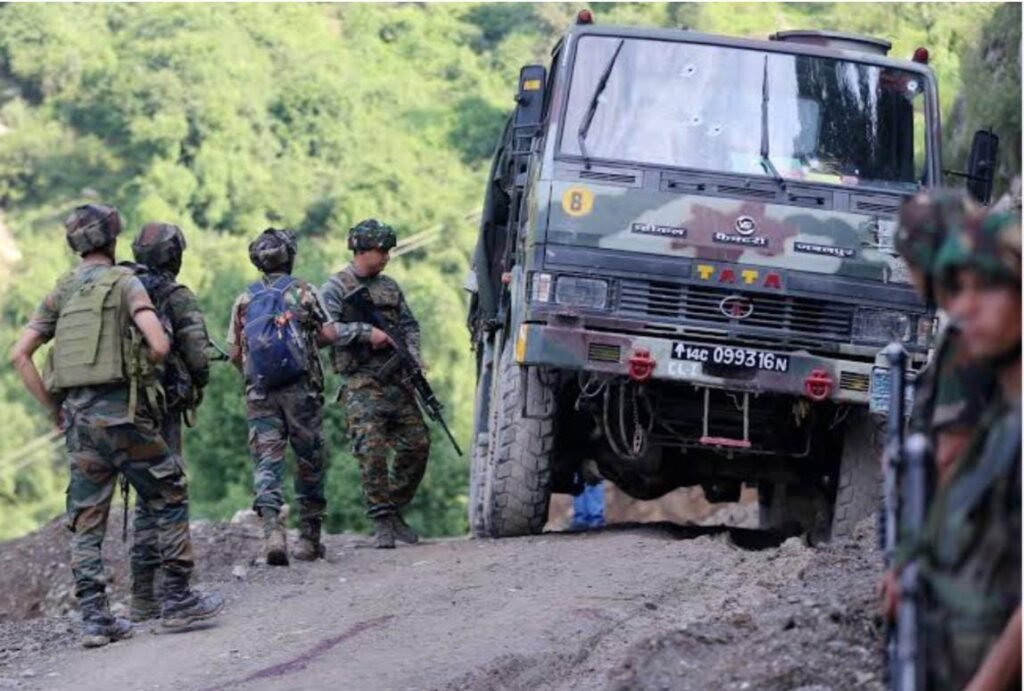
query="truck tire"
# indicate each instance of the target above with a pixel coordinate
(518, 485)
(478, 485)
(483, 422)
(859, 486)
(791, 509)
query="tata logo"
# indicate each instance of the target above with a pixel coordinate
(739, 276)
(736, 307)
(745, 225)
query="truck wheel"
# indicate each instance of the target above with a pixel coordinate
(483, 422)
(478, 485)
(859, 488)
(518, 486)
(792, 509)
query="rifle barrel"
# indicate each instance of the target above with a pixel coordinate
(360, 299)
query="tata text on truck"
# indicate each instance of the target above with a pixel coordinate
(685, 272)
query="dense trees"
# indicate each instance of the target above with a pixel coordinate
(229, 118)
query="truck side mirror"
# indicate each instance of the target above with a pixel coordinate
(981, 165)
(530, 97)
(529, 107)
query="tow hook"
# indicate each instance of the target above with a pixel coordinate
(818, 385)
(641, 365)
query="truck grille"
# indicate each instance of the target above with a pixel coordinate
(854, 381)
(603, 352)
(784, 316)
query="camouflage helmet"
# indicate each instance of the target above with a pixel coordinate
(371, 234)
(925, 221)
(159, 246)
(273, 249)
(92, 226)
(990, 246)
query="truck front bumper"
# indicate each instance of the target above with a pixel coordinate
(665, 359)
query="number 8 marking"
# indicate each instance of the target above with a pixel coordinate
(577, 201)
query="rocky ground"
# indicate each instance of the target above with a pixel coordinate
(657, 606)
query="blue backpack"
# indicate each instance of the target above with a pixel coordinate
(276, 351)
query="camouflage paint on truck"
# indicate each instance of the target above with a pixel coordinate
(753, 233)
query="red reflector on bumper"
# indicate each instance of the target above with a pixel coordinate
(818, 385)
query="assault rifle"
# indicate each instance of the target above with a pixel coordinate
(402, 361)
(216, 353)
(888, 523)
(897, 359)
(907, 666)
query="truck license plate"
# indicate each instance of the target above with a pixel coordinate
(729, 356)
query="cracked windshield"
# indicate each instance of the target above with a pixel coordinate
(704, 107)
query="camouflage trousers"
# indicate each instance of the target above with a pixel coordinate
(381, 418)
(145, 553)
(955, 646)
(97, 455)
(291, 415)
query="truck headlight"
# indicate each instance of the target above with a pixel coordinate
(872, 325)
(540, 287)
(576, 291)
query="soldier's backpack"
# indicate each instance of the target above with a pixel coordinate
(88, 340)
(179, 389)
(95, 342)
(275, 350)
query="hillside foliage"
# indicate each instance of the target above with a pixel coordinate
(227, 118)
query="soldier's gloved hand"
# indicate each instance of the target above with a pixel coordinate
(889, 590)
(379, 339)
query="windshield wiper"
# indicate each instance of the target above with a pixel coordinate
(766, 160)
(588, 117)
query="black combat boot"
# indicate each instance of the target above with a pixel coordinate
(99, 626)
(384, 532)
(276, 538)
(309, 547)
(403, 531)
(181, 610)
(145, 605)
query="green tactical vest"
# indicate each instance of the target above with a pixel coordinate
(88, 347)
(359, 357)
(95, 344)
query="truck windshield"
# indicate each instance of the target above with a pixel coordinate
(699, 106)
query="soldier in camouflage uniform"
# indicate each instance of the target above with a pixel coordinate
(291, 414)
(158, 250)
(109, 428)
(970, 548)
(382, 412)
(951, 391)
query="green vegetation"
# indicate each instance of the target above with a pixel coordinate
(228, 118)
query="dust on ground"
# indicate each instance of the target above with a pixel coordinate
(656, 606)
(820, 631)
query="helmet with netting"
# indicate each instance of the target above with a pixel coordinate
(990, 247)
(160, 246)
(371, 234)
(92, 226)
(273, 250)
(925, 220)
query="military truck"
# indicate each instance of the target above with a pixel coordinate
(685, 272)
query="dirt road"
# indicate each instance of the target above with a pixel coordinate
(651, 607)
